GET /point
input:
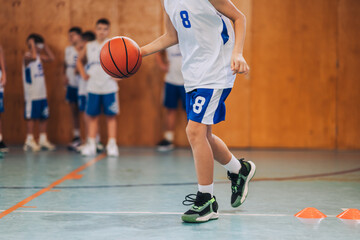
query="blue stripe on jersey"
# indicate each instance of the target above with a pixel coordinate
(28, 75)
(224, 33)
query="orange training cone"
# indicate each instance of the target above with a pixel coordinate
(351, 213)
(310, 213)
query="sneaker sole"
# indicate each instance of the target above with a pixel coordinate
(251, 175)
(165, 149)
(210, 216)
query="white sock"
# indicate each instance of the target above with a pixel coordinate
(43, 137)
(169, 135)
(1, 137)
(92, 141)
(29, 137)
(206, 188)
(111, 141)
(233, 166)
(76, 133)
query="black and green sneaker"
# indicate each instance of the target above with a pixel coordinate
(204, 208)
(240, 182)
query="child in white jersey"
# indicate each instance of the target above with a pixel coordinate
(36, 105)
(71, 81)
(102, 91)
(170, 62)
(211, 57)
(3, 147)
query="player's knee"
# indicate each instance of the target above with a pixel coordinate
(193, 133)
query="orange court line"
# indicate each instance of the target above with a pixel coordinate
(48, 188)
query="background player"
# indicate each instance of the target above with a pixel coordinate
(170, 62)
(3, 147)
(87, 36)
(211, 56)
(36, 105)
(102, 91)
(71, 81)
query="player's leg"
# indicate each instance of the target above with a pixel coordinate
(111, 110)
(240, 172)
(170, 103)
(44, 115)
(204, 206)
(72, 99)
(92, 112)
(30, 114)
(3, 147)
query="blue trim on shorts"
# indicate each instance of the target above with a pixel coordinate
(102, 103)
(36, 110)
(72, 94)
(172, 94)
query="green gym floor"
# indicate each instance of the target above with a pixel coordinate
(60, 195)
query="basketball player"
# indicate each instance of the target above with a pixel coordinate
(87, 36)
(102, 91)
(3, 147)
(71, 81)
(36, 105)
(173, 92)
(212, 55)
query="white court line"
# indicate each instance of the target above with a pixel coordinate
(153, 213)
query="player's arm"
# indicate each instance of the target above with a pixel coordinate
(166, 40)
(48, 56)
(162, 61)
(228, 9)
(65, 78)
(80, 63)
(32, 55)
(2, 67)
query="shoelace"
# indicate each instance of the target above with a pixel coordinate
(190, 199)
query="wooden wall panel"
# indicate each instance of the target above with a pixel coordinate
(348, 92)
(293, 73)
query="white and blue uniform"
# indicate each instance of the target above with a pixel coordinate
(71, 56)
(1, 95)
(102, 89)
(206, 40)
(36, 105)
(174, 81)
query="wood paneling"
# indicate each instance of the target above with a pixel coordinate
(295, 96)
(293, 73)
(348, 91)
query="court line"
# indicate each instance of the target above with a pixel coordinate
(155, 213)
(190, 183)
(72, 175)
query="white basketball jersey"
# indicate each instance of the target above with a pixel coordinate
(174, 75)
(1, 86)
(71, 56)
(34, 80)
(206, 40)
(99, 82)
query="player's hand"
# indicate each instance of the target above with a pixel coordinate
(238, 64)
(65, 80)
(86, 77)
(3, 80)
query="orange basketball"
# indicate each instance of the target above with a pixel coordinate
(120, 57)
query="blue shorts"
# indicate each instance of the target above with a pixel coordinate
(37, 109)
(72, 94)
(172, 95)
(82, 103)
(102, 103)
(1, 102)
(206, 106)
